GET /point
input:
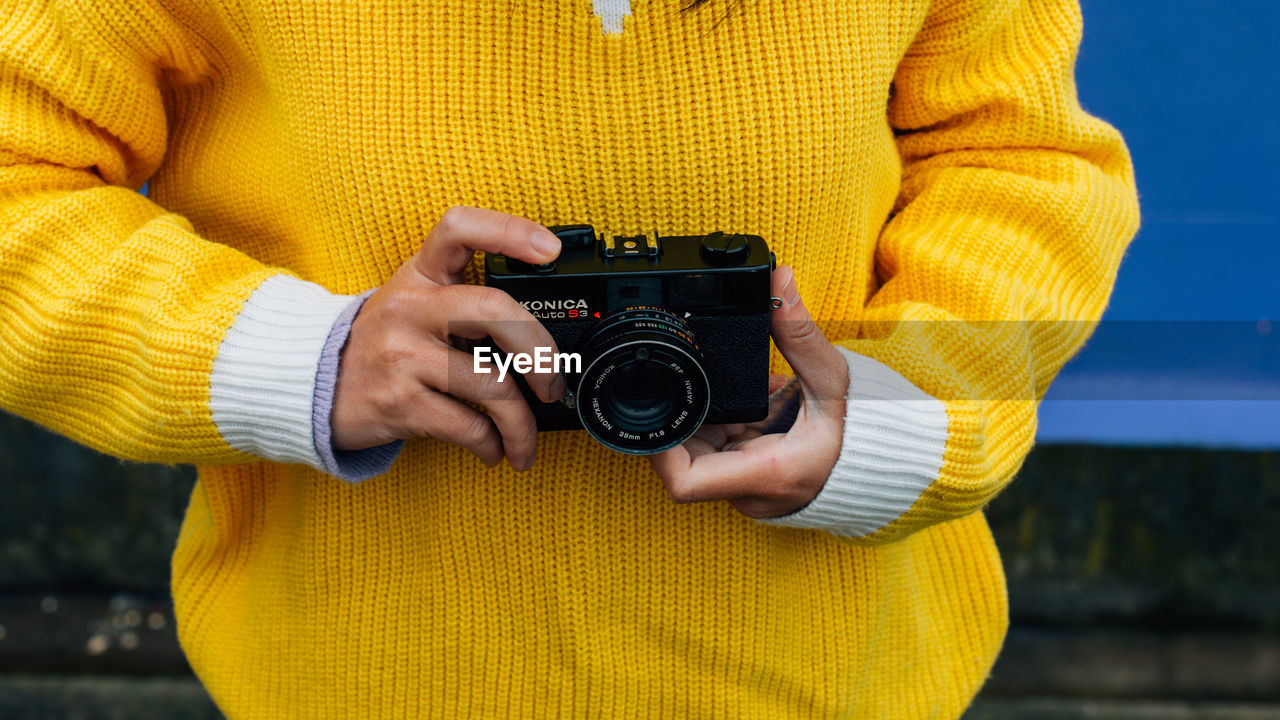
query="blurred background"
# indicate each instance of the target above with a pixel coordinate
(1141, 539)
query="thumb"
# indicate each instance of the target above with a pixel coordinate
(820, 367)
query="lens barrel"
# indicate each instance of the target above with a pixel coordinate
(643, 388)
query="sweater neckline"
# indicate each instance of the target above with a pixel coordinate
(611, 13)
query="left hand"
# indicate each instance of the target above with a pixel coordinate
(776, 474)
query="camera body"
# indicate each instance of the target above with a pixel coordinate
(672, 332)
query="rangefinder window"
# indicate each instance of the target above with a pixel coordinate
(631, 291)
(697, 291)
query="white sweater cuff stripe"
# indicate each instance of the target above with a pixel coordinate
(894, 438)
(263, 380)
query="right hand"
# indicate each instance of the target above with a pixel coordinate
(394, 378)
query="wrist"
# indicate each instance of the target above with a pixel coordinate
(891, 450)
(349, 465)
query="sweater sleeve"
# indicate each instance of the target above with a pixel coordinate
(1015, 209)
(120, 326)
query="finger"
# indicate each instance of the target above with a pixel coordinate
(451, 244)
(447, 419)
(669, 463)
(697, 446)
(714, 435)
(777, 382)
(503, 401)
(816, 361)
(519, 431)
(756, 469)
(736, 442)
(480, 312)
(715, 438)
(710, 438)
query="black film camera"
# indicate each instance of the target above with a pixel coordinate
(672, 332)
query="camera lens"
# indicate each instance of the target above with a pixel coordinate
(643, 389)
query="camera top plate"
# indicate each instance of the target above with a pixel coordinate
(586, 254)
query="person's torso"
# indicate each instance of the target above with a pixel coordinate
(329, 142)
(334, 135)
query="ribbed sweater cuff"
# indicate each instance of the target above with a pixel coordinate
(350, 465)
(894, 438)
(262, 387)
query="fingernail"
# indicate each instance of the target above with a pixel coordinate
(558, 388)
(790, 293)
(528, 462)
(545, 243)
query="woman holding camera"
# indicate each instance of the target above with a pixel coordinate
(279, 312)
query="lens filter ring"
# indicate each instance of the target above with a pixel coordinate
(644, 389)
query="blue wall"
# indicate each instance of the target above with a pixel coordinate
(1186, 353)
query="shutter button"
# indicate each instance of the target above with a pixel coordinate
(722, 249)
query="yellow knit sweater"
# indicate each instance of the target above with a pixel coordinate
(923, 164)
